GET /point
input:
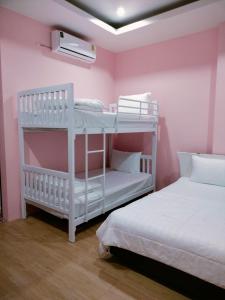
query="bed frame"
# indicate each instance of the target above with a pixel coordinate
(51, 108)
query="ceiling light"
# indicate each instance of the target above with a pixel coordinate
(120, 11)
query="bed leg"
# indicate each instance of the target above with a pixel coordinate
(24, 209)
(72, 233)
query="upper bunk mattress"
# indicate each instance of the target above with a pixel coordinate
(95, 119)
(183, 226)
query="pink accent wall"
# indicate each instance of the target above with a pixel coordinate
(219, 118)
(180, 73)
(186, 76)
(25, 65)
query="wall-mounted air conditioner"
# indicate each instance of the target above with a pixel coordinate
(64, 43)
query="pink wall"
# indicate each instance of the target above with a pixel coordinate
(185, 75)
(25, 65)
(219, 118)
(180, 73)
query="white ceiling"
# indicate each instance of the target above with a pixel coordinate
(195, 17)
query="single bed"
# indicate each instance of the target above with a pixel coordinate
(183, 226)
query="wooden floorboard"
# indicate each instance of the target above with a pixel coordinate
(37, 262)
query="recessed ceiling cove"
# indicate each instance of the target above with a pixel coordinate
(119, 13)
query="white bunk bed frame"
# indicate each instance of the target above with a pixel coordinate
(51, 108)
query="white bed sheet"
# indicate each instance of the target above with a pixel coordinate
(97, 119)
(91, 119)
(118, 185)
(183, 226)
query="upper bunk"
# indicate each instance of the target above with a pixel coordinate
(54, 107)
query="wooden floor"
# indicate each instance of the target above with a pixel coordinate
(37, 262)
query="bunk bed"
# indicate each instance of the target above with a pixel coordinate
(82, 197)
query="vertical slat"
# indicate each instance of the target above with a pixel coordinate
(148, 167)
(30, 186)
(54, 190)
(35, 185)
(59, 192)
(44, 187)
(29, 106)
(140, 109)
(41, 108)
(50, 108)
(64, 193)
(57, 110)
(49, 189)
(65, 108)
(32, 109)
(143, 165)
(44, 108)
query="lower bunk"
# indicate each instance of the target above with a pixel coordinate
(49, 190)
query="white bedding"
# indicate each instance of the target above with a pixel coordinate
(118, 185)
(183, 226)
(94, 119)
(97, 119)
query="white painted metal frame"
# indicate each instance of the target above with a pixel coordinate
(52, 108)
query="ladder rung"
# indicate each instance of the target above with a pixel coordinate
(95, 177)
(95, 151)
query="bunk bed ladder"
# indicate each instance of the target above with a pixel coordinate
(101, 176)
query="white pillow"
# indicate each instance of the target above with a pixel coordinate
(126, 161)
(132, 103)
(140, 97)
(89, 104)
(208, 170)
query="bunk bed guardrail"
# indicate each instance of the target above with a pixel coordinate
(46, 187)
(50, 188)
(136, 108)
(46, 107)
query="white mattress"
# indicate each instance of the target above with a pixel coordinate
(95, 119)
(91, 119)
(118, 185)
(183, 226)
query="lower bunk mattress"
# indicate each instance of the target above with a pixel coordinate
(118, 187)
(182, 226)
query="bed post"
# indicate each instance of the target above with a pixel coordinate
(154, 154)
(71, 164)
(22, 178)
(22, 160)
